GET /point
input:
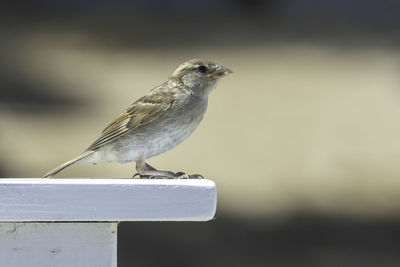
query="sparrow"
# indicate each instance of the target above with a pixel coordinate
(156, 122)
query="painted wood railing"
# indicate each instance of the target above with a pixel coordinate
(74, 222)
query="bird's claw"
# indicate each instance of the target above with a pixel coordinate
(182, 175)
(144, 176)
(178, 175)
(196, 176)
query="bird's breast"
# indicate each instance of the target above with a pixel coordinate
(177, 126)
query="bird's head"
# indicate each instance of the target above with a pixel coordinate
(199, 75)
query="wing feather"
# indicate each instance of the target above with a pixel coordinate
(141, 112)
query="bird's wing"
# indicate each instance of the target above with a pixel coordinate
(141, 112)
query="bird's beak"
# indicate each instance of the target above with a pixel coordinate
(220, 71)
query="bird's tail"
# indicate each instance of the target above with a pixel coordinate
(66, 164)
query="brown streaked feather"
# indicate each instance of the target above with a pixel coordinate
(141, 112)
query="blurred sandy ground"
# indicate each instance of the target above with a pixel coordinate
(299, 126)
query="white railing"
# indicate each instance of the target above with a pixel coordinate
(73, 222)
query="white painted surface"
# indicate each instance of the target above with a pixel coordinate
(58, 244)
(38, 199)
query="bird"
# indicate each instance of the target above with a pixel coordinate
(157, 122)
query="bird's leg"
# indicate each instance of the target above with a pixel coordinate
(149, 167)
(145, 170)
(182, 175)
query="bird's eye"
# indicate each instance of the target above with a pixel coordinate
(202, 69)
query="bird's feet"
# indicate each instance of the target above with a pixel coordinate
(182, 175)
(167, 175)
(145, 170)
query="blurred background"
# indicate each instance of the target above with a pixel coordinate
(302, 141)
